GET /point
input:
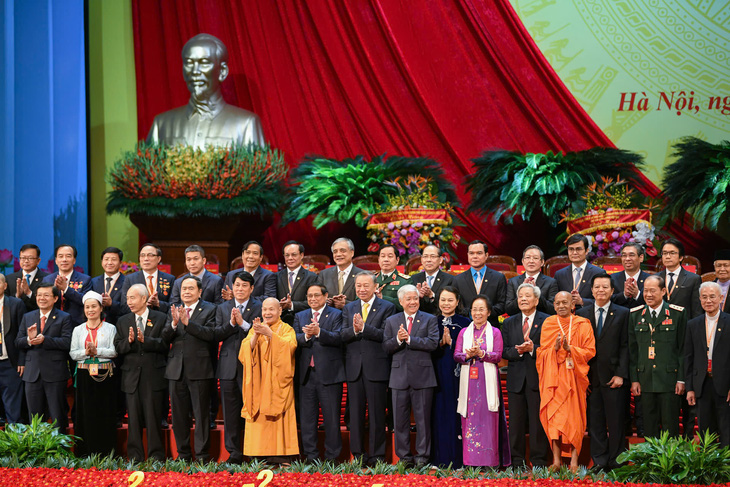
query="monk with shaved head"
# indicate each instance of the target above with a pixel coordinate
(566, 345)
(267, 355)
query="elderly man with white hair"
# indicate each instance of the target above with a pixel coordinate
(410, 337)
(707, 363)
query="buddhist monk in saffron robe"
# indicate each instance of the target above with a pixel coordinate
(566, 345)
(267, 355)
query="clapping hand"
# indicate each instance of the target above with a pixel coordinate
(226, 293)
(379, 291)
(446, 339)
(131, 334)
(285, 303)
(261, 328)
(106, 300)
(236, 317)
(153, 300)
(357, 323)
(403, 334)
(558, 343)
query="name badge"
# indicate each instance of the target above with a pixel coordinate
(93, 369)
(709, 366)
(651, 353)
(569, 363)
(473, 372)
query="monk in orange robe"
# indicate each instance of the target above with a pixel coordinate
(267, 355)
(566, 345)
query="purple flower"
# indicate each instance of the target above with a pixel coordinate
(599, 237)
(391, 226)
(404, 232)
(405, 223)
(418, 224)
(614, 235)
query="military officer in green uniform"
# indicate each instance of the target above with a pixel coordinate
(656, 358)
(389, 280)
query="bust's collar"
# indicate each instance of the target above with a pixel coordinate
(206, 109)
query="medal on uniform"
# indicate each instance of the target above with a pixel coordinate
(473, 372)
(651, 353)
(569, 363)
(93, 369)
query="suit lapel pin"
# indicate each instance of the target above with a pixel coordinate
(53, 317)
(418, 321)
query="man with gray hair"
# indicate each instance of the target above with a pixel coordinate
(410, 337)
(367, 366)
(707, 372)
(340, 279)
(206, 119)
(139, 341)
(533, 258)
(521, 338)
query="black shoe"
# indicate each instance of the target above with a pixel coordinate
(213, 425)
(164, 425)
(235, 460)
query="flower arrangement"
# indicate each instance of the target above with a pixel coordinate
(180, 181)
(128, 267)
(611, 218)
(413, 218)
(6, 259)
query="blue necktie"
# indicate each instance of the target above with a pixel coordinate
(599, 326)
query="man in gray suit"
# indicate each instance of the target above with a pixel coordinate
(340, 279)
(410, 337)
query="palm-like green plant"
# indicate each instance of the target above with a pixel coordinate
(697, 182)
(506, 184)
(35, 440)
(341, 191)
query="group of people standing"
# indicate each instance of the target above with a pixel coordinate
(281, 346)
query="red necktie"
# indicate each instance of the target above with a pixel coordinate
(526, 328)
(410, 324)
(530, 280)
(150, 286)
(316, 320)
(43, 323)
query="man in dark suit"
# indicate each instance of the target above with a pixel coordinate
(44, 340)
(480, 279)
(722, 277)
(521, 338)
(410, 337)
(158, 283)
(144, 352)
(432, 279)
(707, 364)
(656, 358)
(293, 281)
(189, 369)
(71, 284)
(321, 373)
(367, 366)
(683, 287)
(195, 263)
(233, 321)
(533, 259)
(11, 385)
(628, 285)
(265, 280)
(109, 284)
(576, 278)
(608, 375)
(22, 284)
(340, 279)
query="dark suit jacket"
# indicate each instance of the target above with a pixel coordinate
(71, 300)
(49, 360)
(521, 371)
(302, 281)
(412, 366)
(494, 287)
(327, 348)
(612, 347)
(328, 277)
(148, 358)
(229, 368)
(548, 289)
(441, 280)
(364, 352)
(190, 355)
(113, 312)
(619, 281)
(164, 288)
(695, 362)
(264, 283)
(212, 286)
(13, 311)
(29, 302)
(686, 292)
(564, 278)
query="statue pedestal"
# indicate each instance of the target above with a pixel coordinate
(220, 237)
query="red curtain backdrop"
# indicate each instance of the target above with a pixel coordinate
(446, 79)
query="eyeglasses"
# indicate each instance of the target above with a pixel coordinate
(631, 256)
(25, 257)
(142, 256)
(312, 296)
(669, 253)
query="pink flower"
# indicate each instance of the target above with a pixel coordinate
(391, 226)
(404, 232)
(614, 235)
(405, 223)
(6, 257)
(599, 237)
